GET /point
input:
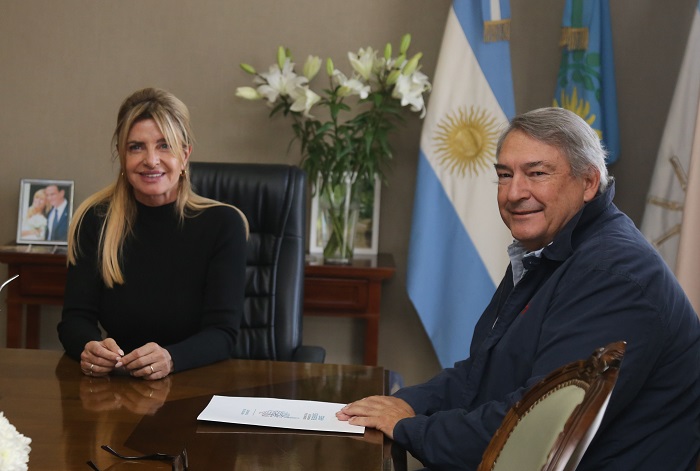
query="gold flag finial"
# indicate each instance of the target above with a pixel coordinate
(574, 39)
(496, 30)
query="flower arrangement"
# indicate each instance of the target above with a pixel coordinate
(14, 447)
(348, 143)
(357, 144)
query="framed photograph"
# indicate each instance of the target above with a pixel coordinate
(366, 230)
(45, 210)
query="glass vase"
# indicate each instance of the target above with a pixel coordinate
(339, 206)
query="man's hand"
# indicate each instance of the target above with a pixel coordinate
(148, 362)
(380, 412)
(100, 358)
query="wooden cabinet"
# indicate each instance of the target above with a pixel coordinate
(42, 279)
(353, 290)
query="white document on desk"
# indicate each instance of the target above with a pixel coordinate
(283, 413)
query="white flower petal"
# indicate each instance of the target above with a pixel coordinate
(282, 81)
(410, 88)
(14, 447)
(304, 100)
(364, 62)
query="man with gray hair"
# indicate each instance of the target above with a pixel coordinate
(581, 276)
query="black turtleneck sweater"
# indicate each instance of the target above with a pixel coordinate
(183, 289)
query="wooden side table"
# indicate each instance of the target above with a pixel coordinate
(353, 290)
(42, 279)
(329, 290)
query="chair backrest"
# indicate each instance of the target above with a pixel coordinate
(273, 198)
(550, 428)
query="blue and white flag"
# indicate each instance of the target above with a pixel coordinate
(586, 80)
(458, 248)
(671, 216)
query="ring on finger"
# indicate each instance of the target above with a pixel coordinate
(91, 366)
(152, 370)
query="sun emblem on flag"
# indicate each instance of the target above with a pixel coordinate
(669, 205)
(466, 141)
(579, 106)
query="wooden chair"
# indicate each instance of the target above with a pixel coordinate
(550, 428)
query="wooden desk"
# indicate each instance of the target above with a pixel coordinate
(42, 279)
(353, 290)
(69, 416)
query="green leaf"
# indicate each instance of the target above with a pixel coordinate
(593, 59)
(592, 72)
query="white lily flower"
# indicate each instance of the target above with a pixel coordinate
(391, 64)
(364, 62)
(311, 67)
(355, 87)
(410, 88)
(304, 99)
(279, 82)
(350, 86)
(249, 93)
(381, 65)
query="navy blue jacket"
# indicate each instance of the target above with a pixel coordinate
(599, 281)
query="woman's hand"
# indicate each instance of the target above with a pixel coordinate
(100, 358)
(139, 397)
(148, 362)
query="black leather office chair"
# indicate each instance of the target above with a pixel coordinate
(273, 198)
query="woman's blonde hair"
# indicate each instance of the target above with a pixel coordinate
(36, 210)
(173, 120)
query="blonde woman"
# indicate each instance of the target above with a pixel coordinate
(34, 222)
(158, 267)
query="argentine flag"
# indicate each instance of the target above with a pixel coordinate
(458, 247)
(586, 80)
(672, 214)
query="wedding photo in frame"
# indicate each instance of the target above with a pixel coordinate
(45, 210)
(366, 230)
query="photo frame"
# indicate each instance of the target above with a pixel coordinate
(366, 230)
(45, 211)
